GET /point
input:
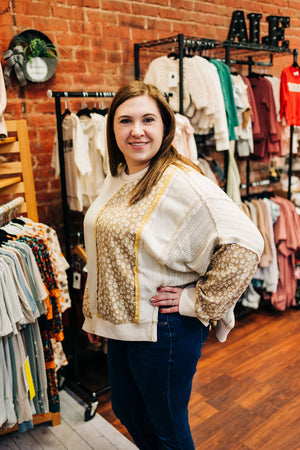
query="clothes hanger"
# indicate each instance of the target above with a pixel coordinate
(19, 221)
(67, 112)
(4, 236)
(295, 55)
(84, 112)
(173, 55)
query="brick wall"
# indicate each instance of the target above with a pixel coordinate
(94, 40)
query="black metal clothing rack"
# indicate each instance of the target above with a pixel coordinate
(230, 52)
(57, 95)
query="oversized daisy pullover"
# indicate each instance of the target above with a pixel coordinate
(187, 232)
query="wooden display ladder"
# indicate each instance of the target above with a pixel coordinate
(16, 180)
(16, 177)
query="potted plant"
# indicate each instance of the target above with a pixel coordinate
(40, 57)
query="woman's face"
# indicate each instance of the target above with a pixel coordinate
(139, 130)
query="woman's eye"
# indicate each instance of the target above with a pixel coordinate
(125, 121)
(149, 120)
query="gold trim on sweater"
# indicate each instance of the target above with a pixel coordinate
(118, 228)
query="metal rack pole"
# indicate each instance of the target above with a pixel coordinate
(57, 95)
(136, 61)
(290, 169)
(181, 55)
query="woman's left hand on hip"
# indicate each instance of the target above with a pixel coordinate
(167, 299)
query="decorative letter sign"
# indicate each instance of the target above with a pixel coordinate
(276, 33)
(277, 25)
(254, 27)
(238, 27)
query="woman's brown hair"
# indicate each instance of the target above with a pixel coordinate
(167, 153)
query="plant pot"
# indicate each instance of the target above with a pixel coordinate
(39, 69)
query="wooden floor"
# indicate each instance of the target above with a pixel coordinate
(246, 393)
(72, 434)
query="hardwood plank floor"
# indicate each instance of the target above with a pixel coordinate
(72, 433)
(246, 393)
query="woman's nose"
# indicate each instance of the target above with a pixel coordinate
(137, 129)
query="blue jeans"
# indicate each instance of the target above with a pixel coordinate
(151, 382)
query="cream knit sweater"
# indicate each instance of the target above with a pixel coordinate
(186, 232)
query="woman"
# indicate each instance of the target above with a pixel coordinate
(168, 252)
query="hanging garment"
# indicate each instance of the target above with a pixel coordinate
(287, 239)
(233, 176)
(160, 73)
(58, 261)
(270, 273)
(229, 101)
(7, 411)
(244, 132)
(206, 169)
(203, 101)
(184, 140)
(284, 128)
(214, 115)
(290, 95)
(267, 142)
(76, 159)
(264, 213)
(34, 288)
(94, 128)
(254, 114)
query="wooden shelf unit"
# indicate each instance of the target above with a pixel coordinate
(16, 176)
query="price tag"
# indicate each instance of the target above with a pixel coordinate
(76, 280)
(29, 379)
(173, 79)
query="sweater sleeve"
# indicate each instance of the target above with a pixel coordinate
(228, 275)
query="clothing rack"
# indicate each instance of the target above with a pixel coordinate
(18, 180)
(230, 52)
(228, 45)
(256, 183)
(9, 209)
(58, 95)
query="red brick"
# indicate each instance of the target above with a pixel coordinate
(159, 25)
(131, 21)
(85, 3)
(6, 20)
(91, 28)
(24, 22)
(116, 6)
(40, 8)
(99, 16)
(65, 12)
(184, 4)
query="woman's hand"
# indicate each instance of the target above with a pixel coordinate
(93, 338)
(167, 299)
